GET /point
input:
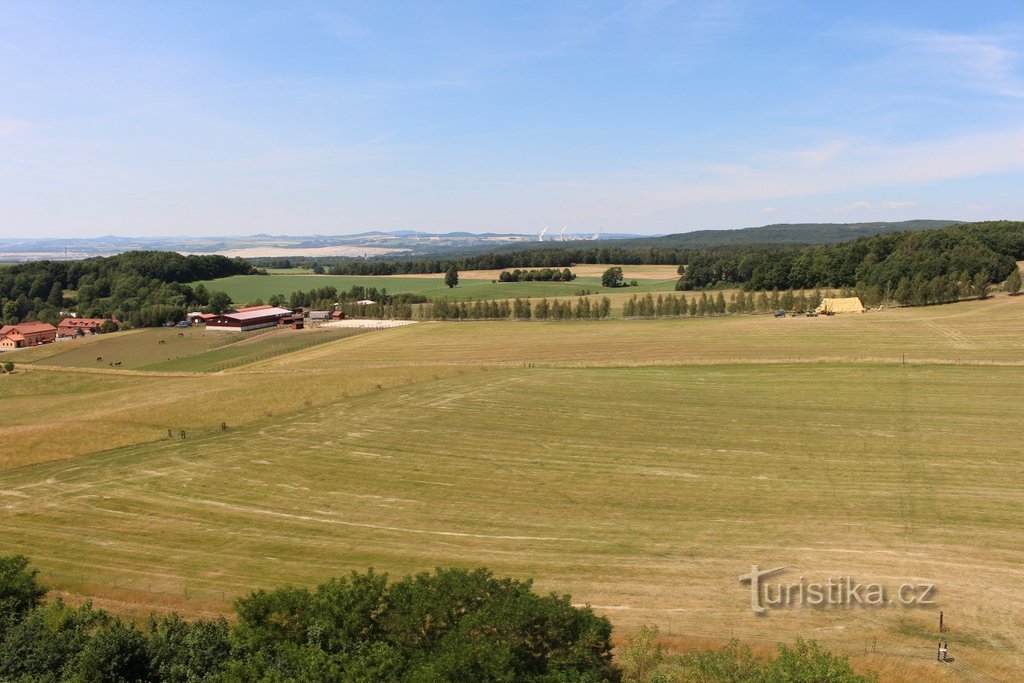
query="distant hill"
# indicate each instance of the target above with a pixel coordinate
(781, 233)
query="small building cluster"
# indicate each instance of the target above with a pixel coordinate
(23, 335)
(259, 317)
(26, 334)
(79, 327)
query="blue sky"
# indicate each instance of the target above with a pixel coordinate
(646, 116)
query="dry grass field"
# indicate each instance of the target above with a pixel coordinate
(641, 466)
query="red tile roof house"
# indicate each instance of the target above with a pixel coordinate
(26, 334)
(252, 318)
(76, 327)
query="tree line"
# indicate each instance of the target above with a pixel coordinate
(143, 288)
(451, 624)
(541, 275)
(518, 309)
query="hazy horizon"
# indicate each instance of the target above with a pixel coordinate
(639, 116)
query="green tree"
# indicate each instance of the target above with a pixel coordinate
(1013, 283)
(11, 316)
(220, 302)
(108, 326)
(186, 651)
(56, 296)
(641, 655)
(982, 284)
(451, 276)
(807, 661)
(19, 590)
(8, 367)
(115, 653)
(612, 277)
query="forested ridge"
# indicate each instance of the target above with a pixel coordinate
(959, 251)
(140, 287)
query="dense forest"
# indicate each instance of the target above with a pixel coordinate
(143, 288)
(958, 253)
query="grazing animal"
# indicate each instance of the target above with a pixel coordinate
(162, 341)
(99, 359)
(117, 363)
(181, 334)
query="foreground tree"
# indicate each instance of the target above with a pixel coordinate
(19, 590)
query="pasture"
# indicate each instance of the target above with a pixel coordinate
(192, 349)
(472, 286)
(641, 466)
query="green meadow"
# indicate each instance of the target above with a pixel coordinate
(248, 288)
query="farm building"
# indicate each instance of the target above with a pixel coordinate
(337, 315)
(319, 315)
(26, 334)
(76, 327)
(252, 318)
(847, 305)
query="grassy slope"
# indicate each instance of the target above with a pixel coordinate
(643, 490)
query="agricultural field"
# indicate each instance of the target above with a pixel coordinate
(191, 349)
(641, 466)
(473, 285)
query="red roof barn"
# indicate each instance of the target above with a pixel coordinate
(254, 318)
(26, 334)
(74, 327)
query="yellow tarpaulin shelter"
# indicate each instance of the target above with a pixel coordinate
(848, 305)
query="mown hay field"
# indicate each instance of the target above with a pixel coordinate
(641, 466)
(970, 332)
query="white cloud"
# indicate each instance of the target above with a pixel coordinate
(859, 167)
(977, 60)
(898, 205)
(768, 209)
